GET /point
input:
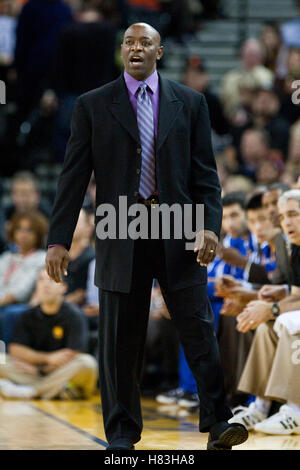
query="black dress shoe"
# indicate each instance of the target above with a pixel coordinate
(121, 444)
(223, 436)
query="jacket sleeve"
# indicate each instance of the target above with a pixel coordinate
(258, 274)
(73, 181)
(205, 183)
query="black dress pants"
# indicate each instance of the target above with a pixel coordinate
(123, 323)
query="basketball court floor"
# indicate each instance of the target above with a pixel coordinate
(77, 425)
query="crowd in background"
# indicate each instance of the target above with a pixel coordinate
(51, 51)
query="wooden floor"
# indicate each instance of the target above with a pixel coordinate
(78, 425)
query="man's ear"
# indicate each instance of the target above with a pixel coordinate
(161, 54)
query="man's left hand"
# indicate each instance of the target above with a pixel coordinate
(253, 315)
(206, 245)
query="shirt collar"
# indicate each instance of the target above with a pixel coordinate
(133, 84)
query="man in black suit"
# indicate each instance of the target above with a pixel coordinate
(111, 135)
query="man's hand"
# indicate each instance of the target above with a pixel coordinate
(242, 295)
(225, 284)
(272, 293)
(232, 307)
(232, 256)
(91, 310)
(253, 315)
(7, 300)
(57, 261)
(25, 367)
(205, 244)
(59, 358)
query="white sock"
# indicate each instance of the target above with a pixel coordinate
(262, 405)
(295, 408)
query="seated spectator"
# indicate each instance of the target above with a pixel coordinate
(265, 115)
(91, 308)
(240, 114)
(25, 196)
(238, 183)
(269, 171)
(18, 271)
(270, 38)
(290, 109)
(255, 150)
(252, 57)
(81, 253)
(255, 262)
(280, 277)
(47, 352)
(196, 76)
(235, 232)
(270, 372)
(293, 161)
(259, 264)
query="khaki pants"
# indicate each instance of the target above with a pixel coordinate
(272, 369)
(81, 371)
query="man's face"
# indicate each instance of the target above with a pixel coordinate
(260, 225)
(140, 50)
(196, 79)
(269, 202)
(25, 236)
(253, 148)
(251, 54)
(234, 220)
(265, 103)
(48, 290)
(24, 195)
(289, 216)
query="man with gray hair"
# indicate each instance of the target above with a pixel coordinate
(272, 370)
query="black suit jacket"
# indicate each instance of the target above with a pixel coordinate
(105, 138)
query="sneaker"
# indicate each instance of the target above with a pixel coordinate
(249, 416)
(189, 400)
(172, 396)
(9, 389)
(70, 392)
(286, 421)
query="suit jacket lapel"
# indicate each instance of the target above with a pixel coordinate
(122, 109)
(169, 106)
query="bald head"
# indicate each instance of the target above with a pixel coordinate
(152, 32)
(141, 50)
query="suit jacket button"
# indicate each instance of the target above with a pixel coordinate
(138, 171)
(135, 193)
(139, 150)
